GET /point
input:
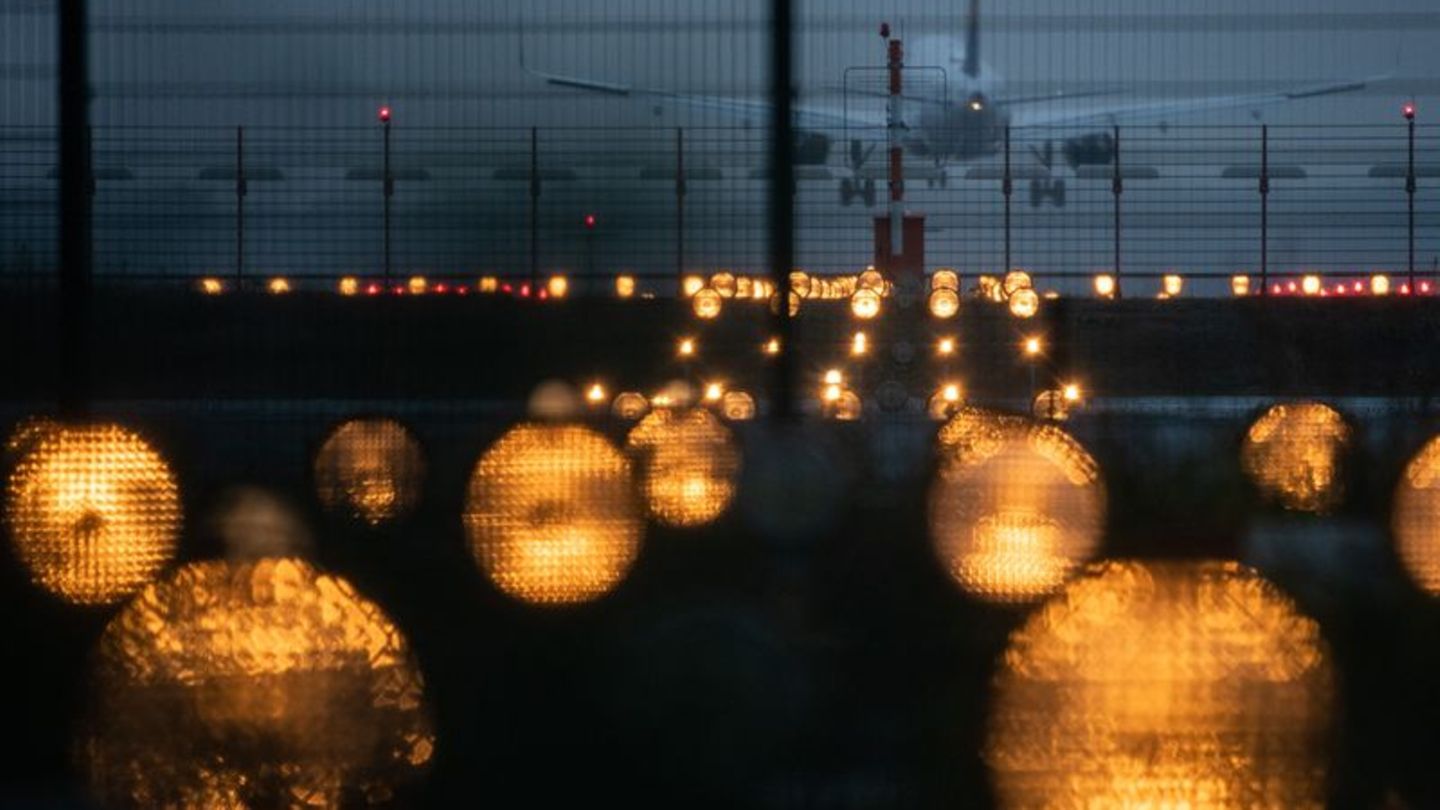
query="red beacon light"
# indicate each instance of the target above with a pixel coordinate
(1408, 110)
(384, 114)
(590, 222)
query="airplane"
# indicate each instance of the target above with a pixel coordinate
(958, 119)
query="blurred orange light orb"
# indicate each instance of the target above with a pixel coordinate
(93, 511)
(945, 279)
(370, 470)
(689, 466)
(865, 303)
(1416, 518)
(1024, 303)
(1015, 281)
(707, 304)
(1293, 454)
(944, 303)
(1163, 685)
(1016, 506)
(257, 684)
(551, 514)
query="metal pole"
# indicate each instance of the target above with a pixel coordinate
(240, 192)
(1117, 187)
(388, 181)
(1410, 188)
(894, 124)
(76, 177)
(534, 208)
(1007, 188)
(679, 205)
(782, 203)
(1265, 209)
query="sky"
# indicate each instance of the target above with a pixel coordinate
(456, 62)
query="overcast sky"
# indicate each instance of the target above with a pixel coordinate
(456, 62)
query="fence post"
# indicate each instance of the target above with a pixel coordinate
(1264, 209)
(1117, 188)
(679, 205)
(240, 191)
(782, 198)
(1007, 188)
(534, 208)
(1410, 188)
(76, 187)
(388, 190)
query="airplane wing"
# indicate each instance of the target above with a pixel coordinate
(747, 110)
(1068, 116)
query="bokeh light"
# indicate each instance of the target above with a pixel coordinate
(1163, 685)
(945, 279)
(1293, 454)
(1416, 518)
(251, 523)
(630, 405)
(737, 406)
(551, 514)
(865, 303)
(261, 684)
(944, 303)
(688, 465)
(724, 284)
(370, 470)
(707, 304)
(1015, 507)
(1024, 303)
(93, 511)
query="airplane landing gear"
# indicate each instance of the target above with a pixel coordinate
(1042, 189)
(850, 190)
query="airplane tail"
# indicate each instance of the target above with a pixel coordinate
(972, 41)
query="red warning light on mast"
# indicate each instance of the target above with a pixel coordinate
(384, 114)
(1408, 110)
(590, 222)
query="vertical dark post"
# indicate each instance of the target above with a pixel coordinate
(534, 208)
(388, 181)
(75, 247)
(1007, 188)
(240, 191)
(1410, 188)
(782, 202)
(680, 206)
(1117, 188)
(1265, 209)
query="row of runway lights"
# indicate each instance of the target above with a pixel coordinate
(264, 645)
(865, 291)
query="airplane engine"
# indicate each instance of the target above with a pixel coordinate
(1090, 150)
(811, 148)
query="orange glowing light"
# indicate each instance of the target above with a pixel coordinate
(93, 511)
(945, 347)
(1015, 281)
(417, 285)
(558, 286)
(278, 285)
(1310, 285)
(630, 406)
(212, 286)
(686, 347)
(1293, 454)
(595, 394)
(944, 303)
(945, 279)
(348, 286)
(859, 345)
(371, 470)
(689, 285)
(1163, 685)
(551, 515)
(1016, 507)
(256, 684)
(737, 406)
(1033, 346)
(1416, 518)
(1172, 285)
(688, 466)
(723, 283)
(1240, 286)
(1379, 284)
(772, 346)
(865, 303)
(714, 392)
(488, 284)
(624, 286)
(1105, 285)
(706, 304)
(1024, 303)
